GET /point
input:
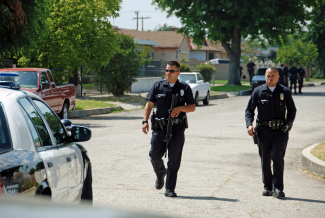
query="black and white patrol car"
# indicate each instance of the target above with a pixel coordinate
(39, 155)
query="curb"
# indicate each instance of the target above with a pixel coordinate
(88, 112)
(212, 97)
(245, 92)
(322, 84)
(312, 163)
(309, 84)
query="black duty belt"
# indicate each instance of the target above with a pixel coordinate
(273, 124)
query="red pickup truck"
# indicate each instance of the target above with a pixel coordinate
(61, 98)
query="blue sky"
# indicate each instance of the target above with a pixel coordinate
(146, 9)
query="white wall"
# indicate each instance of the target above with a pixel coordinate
(144, 84)
(199, 55)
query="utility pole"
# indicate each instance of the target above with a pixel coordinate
(137, 13)
(142, 20)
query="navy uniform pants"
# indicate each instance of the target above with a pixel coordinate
(293, 81)
(301, 84)
(272, 145)
(175, 148)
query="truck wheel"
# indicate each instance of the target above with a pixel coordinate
(87, 189)
(64, 114)
(196, 99)
(206, 101)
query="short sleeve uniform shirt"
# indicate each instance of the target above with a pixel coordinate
(161, 94)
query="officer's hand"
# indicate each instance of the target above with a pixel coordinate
(145, 128)
(175, 112)
(251, 131)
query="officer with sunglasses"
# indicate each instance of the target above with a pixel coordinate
(276, 113)
(161, 94)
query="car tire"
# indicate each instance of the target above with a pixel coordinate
(196, 99)
(64, 114)
(206, 101)
(87, 189)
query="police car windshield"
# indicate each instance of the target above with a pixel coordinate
(27, 78)
(5, 141)
(261, 71)
(187, 78)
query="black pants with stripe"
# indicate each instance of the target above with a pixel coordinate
(175, 149)
(272, 145)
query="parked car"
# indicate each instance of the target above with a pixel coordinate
(220, 61)
(61, 98)
(200, 88)
(39, 155)
(259, 78)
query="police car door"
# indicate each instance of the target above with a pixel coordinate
(54, 160)
(72, 153)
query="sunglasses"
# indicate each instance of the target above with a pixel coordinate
(170, 71)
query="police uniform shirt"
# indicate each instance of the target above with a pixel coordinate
(301, 72)
(281, 74)
(250, 65)
(161, 94)
(270, 105)
(293, 71)
(286, 71)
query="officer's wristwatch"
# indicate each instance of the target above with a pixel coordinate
(145, 121)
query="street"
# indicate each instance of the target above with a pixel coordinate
(220, 174)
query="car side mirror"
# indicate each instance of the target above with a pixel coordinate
(200, 82)
(80, 134)
(45, 86)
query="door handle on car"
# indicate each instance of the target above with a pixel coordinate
(69, 159)
(50, 164)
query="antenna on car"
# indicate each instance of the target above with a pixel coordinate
(9, 80)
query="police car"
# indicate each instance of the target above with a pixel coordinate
(39, 155)
(259, 78)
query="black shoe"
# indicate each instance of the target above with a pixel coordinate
(301, 93)
(170, 193)
(267, 193)
(161, 181)
(278, 194)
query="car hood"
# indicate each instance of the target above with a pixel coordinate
(259, 78)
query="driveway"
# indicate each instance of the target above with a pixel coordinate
(220, 175)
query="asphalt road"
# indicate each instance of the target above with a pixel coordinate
(220, 174)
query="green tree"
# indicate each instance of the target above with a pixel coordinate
(79, 34)
(298, 52)
(316, 32)
(185, 68)
(164, 27)
(229, 21)
(206, 70)
(123, 67)
(21, 23)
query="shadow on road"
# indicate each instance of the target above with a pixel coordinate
(302, 199)
(316, 94)
(207, 198)
(109, 118)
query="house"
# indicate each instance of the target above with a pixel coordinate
(171, 45)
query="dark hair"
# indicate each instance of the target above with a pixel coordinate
(282, 65)
(174, 63)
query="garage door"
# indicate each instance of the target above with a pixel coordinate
(199, 55)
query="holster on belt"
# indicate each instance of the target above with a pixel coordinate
(153, 121)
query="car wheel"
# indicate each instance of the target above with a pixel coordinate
(196, 99)
(64, 114)
(87, 189)
(206, 101)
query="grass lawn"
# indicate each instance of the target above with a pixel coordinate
(226, 81)
(319, 151)
(315, 80)
(123, 98)
(90, 104)
(226, 88)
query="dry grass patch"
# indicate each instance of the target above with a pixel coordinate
(124, 99)
(319, 151)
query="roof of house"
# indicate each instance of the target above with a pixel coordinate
(169, 39)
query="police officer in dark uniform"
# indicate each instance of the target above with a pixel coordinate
(286, 74)
(302, 74)
(294, 75)
(251, 67)
(272, 126)
(161, 94)
(282, 77)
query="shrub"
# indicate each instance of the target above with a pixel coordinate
(206, 70)
(185, 68)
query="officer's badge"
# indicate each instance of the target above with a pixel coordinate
(281, 96)
(182, 92)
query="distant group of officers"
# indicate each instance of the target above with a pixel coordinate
(295, 75)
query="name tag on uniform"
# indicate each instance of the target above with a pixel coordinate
(160, 96)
